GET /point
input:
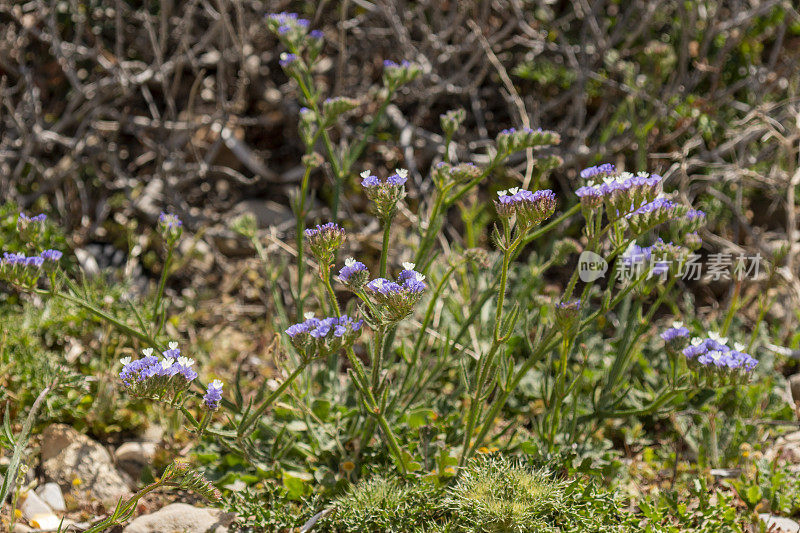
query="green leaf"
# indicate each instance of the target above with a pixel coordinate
(297, 483)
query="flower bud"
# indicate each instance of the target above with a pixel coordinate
(170, 227)
(245, 225)
(451, 121)
(333, 107)
(385, 194)
(395, 75)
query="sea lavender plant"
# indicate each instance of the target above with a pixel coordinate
(166, 379)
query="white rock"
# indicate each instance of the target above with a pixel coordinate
(779, 524)
(21, 528)
(45, 522)
(52, 496)
(184, 518)
(68, 456)
(33, 505)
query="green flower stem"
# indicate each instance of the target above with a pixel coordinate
(485, 365)
(466, 188)
(202, 425)
(161, 284)
(430, 232)
(421, 335)
(247, 425)
(387, 229)
(358, 149)
(300, 216)
(326, 280)
(557, 395)
(548, 343)
(377, 358)
(338, 170)
(362, 384)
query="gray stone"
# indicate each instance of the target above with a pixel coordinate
(266, 212)
(794, 386)
(132, 457)
(184, 518)
(51, 494)
(779, 524)
(785, 449)
(72, 459)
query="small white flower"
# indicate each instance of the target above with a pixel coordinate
(738, 346)
(379, 282)
(185, 361)
(349, 261)
(366, 174)
(625, 175)
(409, 266)
(513, 190)
(147, 352)
(714, 336)
(403, 173)
(173, 345)
(697, 341)
(419, 277)
(167, 362)
(217, 384)
(501, 193)
(643, 174)
(715, 355)
(677, 324)
(125, 361)
(308, 314)
(609, 179)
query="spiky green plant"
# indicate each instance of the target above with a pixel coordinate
(497, 494)
(385, 504)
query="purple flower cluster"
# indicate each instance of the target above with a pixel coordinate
(166, 378)
(651, 214)
(325, 240)
(394, 300)
(287, 59)
(713, 352)
(591, 172)
(170, 226)
(397, 179)
(622, 193)
(693, 220)
(385, 193)
(285, 23)
(24, 219)
(354, 273)
(317, 337)
(169, 220)
(36, 261)
(213, 395)
(530, 208)
(320, 328)
(396, 74)
(676, 332)
(388, 63)
(636, 257)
